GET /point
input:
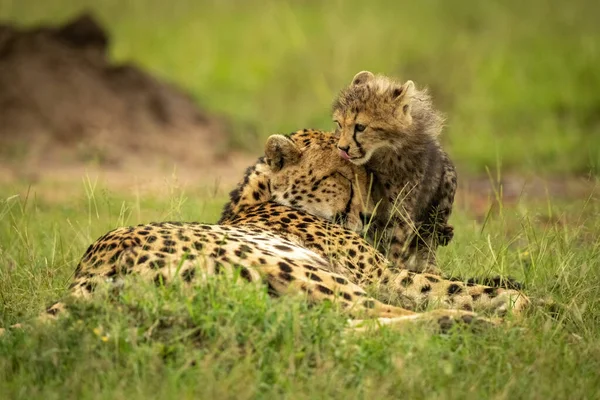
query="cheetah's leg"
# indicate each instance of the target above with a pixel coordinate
(405, 232)
(446, 193)
(443, 320)
(354, 300)
(428, 290)
(422, 256)
(407, 250)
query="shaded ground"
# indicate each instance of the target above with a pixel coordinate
(64, 106)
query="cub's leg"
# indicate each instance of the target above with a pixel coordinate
(406, 249)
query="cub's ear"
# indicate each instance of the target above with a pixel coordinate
(281, 151)
(362, 77)
(402, 95)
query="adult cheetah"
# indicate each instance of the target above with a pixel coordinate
(285, 247)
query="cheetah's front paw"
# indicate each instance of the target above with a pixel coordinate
(445, 235)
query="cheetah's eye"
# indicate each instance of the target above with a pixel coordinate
(359, 127)
(338, 124)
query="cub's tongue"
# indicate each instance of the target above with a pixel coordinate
(344, 155)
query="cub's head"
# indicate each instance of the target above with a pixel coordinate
(375, 112)
(304, 171)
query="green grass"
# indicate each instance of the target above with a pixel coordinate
(520, 83)
(518, 79)
(227, 340)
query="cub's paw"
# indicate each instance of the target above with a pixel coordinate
(445, 234)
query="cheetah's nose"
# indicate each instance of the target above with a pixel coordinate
(344, 152)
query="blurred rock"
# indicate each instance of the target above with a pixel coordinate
(63, 101)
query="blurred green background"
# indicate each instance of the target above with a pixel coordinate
(519, 80)
(520, 84)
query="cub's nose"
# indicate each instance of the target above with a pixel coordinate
(344, 152)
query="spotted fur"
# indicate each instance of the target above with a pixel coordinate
(288, 249)
(393, 130)
(348, 252)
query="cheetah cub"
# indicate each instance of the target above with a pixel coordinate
(393, 130)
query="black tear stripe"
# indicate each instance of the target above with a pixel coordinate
(358, 146)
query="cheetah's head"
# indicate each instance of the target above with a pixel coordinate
(306, 173)
(376, 111)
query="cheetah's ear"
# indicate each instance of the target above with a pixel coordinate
(281, 151)
(402, 95)
(362, 77)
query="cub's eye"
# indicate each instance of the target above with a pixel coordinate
(337, 123)
(359, 127)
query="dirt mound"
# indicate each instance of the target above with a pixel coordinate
(62, 101)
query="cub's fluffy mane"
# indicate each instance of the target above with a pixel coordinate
(376, 97)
